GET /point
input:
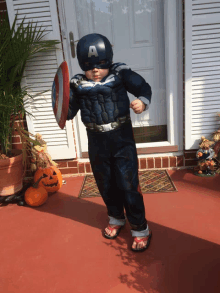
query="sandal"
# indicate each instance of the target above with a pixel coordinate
(147, 238)
(118, 228)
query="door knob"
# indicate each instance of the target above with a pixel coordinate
(72, 45)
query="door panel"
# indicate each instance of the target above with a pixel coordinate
(135, 28)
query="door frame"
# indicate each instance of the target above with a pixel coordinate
(174, 77)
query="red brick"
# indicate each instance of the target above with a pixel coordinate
(150, 163)
(165, 162)
(69, 171)
(143, 163)
(73, 164)
(190, 163)
(20, 123)
(3, 6)
(180, 161)
(61, 164)
(81, 168)
(15, 133)
(17, 146)
(17, 117)
(16, 139)
(172, 161)
(190, 155)
(157, 162)
(88, 168)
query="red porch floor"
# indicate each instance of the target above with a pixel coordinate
(59, 247)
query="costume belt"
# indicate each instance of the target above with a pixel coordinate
(110, 126)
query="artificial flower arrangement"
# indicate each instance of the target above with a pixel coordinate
(208, 155)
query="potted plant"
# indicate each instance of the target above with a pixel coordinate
(17, 46)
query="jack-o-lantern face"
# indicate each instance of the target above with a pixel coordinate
(52, 178)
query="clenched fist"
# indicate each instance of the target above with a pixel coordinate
(137, 106)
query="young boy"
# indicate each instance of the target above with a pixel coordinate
(101, 95)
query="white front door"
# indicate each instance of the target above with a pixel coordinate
(135, 28)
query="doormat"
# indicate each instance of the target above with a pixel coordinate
(154, 181)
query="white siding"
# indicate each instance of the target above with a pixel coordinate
(202, 69)
(39, 75)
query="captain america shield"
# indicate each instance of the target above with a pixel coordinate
(61, 94)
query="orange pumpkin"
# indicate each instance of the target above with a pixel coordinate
(36, 195)
(51, 178)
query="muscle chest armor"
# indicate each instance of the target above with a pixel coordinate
(100, 102)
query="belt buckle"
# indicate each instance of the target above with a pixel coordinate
(107, 127)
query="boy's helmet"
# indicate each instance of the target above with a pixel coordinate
(93, 48)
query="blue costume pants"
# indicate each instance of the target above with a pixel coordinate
(113, 158)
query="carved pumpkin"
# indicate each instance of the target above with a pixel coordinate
(52, 178)
(36, 195)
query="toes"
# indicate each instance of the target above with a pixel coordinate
(110, 232)
(142, 244)
(134, 245)
(107, 231)
(139, 245)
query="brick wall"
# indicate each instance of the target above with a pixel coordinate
(16, 140)
(76, 168)
(3, 7)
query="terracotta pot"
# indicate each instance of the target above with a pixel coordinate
(11, 174)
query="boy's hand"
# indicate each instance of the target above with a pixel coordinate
(137, 106)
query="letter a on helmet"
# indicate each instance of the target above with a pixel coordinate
(92, 51)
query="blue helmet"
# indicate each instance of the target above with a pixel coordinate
(92, 49)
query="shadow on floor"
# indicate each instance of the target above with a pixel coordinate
(174, 263)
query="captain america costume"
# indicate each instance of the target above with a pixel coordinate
(101, 95)
(112, 152)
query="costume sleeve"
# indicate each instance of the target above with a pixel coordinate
(74, 105)
(211, 153)
(134, 83)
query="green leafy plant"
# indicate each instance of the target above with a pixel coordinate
(18, 45)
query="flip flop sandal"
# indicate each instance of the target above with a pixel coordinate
(147, 238)
(118, 228)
